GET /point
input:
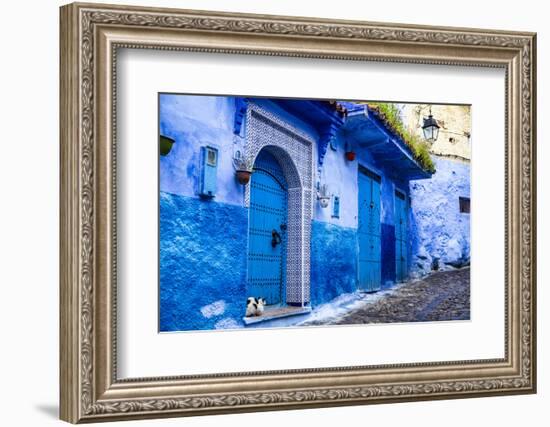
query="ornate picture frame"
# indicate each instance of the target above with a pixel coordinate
(90, 37)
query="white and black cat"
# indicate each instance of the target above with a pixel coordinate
(254, 306)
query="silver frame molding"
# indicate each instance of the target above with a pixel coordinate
(90, 36)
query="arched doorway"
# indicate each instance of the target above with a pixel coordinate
(267, 230)
(293, 152)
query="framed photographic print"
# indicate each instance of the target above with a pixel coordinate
(267, 212)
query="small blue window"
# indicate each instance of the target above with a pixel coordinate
(336, 207)
(211, 157)
(209, 168)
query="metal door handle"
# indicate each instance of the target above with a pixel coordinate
(275, 238)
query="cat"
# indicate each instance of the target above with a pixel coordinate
(255, 306)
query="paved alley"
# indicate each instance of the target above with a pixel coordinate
(440, 296)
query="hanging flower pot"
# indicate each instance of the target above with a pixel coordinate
(350, 156)
(243, 176)
(243, 168)
(165, 145)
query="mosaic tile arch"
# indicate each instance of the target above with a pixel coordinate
(294, 151)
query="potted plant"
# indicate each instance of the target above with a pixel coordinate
(243, 169)
(350, 154)
(165, 145)
(323, 196)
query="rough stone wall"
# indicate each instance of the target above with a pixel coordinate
(202, 270)
(440, 232)
(333, 261)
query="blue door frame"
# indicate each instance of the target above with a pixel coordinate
(369, 232)
(267, 230)
(401, 213)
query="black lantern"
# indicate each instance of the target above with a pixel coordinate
(430, 128)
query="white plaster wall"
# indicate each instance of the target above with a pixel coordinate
(340, 175)
(195, 121)
(441, 232)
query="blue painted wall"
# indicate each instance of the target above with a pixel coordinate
(440, 232)
(341, 177)
(388, 254)
(202, 263)
(333, 261)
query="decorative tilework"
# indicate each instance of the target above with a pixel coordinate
(294, 151)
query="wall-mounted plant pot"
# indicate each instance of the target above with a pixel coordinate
(324, 202)
(350, 155)
(165, 145)
(243, 176)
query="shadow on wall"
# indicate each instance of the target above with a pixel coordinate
(388, 254)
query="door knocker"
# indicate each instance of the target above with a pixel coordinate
(275, 238)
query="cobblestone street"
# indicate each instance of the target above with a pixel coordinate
(440, 296)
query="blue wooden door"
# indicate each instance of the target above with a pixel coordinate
(369, 232)
(401, 237)
(266, 230)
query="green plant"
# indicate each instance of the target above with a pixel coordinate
(165, 145)
(242, 163)
(389, 114)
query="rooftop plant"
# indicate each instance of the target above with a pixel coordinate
(390, 116)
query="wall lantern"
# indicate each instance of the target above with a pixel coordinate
(430, 128)
(323, 195)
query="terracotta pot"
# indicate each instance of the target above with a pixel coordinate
(243, 177)
(350, 155)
